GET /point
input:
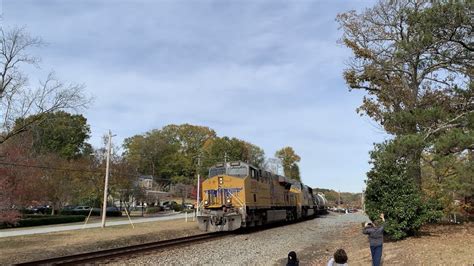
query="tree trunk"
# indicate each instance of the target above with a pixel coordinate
(414, 167)
(183, 196)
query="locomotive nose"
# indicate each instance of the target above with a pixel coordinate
(220, 222)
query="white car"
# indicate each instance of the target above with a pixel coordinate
(82, 208)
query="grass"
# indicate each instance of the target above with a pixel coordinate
(35, 247)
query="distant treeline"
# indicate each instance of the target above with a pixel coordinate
(345, 199)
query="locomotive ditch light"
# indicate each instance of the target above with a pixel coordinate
(229, 200)
(206, 202)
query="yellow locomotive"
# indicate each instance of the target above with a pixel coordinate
(237, 194)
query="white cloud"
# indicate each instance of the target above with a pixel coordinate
(267, 72)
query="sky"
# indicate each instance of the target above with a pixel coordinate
(267, 72)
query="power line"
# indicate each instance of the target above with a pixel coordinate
(49, 167)
(77, 170)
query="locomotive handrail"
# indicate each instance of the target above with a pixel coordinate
(199, 206)
(241, 203)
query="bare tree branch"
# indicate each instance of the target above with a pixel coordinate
(448, 124)
(17, 99)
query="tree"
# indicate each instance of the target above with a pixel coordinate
(254, 154)
(123, 181)
(57, 180)
(172, 153)
(232, 149)
(449, 179)
(17, 98)
(414, 59)
(289, 160)
(59, 133)
(390, 190)
(57, 143)
(183, 187)
(19, 183)
(189, 140)
(295, 172)
(8, 214)
(150, 153)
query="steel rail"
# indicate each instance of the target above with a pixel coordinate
(94, 256)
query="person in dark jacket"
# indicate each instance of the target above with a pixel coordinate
(375, 234)
(292, 260)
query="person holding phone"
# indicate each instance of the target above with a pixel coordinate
(375, 234)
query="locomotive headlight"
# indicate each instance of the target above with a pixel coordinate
(221, 180)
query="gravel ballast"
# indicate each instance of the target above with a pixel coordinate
(266, 247)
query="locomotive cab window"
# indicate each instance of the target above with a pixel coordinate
(216, 171)
(238, 171)
(253, 173)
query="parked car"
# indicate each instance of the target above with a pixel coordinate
(168, 205)
(82, 208)
(189, 206)
(69, 207)
(112, 208)
(46, 209)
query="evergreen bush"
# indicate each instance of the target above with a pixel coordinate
(150, 210)
(391, 191)
(177, 207)
(37, 220)
(95, 212)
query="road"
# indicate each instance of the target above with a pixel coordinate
(59, 228)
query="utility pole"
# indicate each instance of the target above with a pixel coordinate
(106, 186)
(339, 202)
(198, 196)
(225, 157)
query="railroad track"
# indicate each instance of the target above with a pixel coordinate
(115, 253)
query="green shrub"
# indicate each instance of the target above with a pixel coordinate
(47, 219)
(150, 210)
(95, 212)
(177, 207)
(114, 213)
(35, 216)
(390, 190)
(26, 211)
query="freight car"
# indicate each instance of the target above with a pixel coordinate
(238, 194)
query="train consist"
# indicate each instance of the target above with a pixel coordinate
(237, 194)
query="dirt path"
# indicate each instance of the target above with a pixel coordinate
(436, 245)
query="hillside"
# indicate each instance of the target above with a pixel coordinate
(348, 199)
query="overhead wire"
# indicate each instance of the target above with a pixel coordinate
(76, 170)
(48, 167)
